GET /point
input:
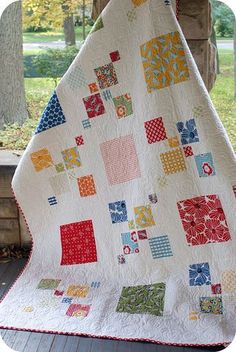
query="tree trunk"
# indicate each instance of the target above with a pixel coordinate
(214, 42)
(12, 91)
(98, 6)
(69, 31)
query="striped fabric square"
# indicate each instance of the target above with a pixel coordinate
(160, 247)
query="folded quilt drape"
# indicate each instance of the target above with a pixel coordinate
(128, 187)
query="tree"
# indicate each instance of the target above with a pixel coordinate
(98, 6)
(223, 19)
(12, 93)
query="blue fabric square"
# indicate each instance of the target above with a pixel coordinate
(118, 212)
(130, 242)
(205, 165)
(52, 115)
(199, 274)
(188, 131)
(160, 247)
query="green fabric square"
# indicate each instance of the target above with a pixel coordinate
(123, 105)
(60, 167)
(48, 284)
(148, 299)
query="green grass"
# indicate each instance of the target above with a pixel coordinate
(51, 36)
(223, 94)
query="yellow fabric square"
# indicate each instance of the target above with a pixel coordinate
(173, 142)
(173, 161)
(77, 291)
(41, 159)
(229, 281)
(71, 158)
(164, 61)
(143, 216)
(138, 2)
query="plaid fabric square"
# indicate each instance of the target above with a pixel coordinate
(80, 291)
(86, 186)
(79, 140)
(213, 305)
(71, 158)
(155, 130)
(78, 310)
(173, 161)
(199, 274)
(78, 243)
(48, 284)
(164, 61)
(132, 16)
(93, 87)
(41, 159)
(123, 105)
(143, 216)
(106, 76)
(120, 160)
(142, 235)
(205, 165)
(188, 151)
(52, 116)
(130, 242)
(94, 105)
(118, 212)
(229, 281)
(173, 142)
(203, 220)
(216, 289)
(188, 131)
(76, 78)
(115, 56)
(59, 184)
(160, 247)
(86, 124)
(145, 299)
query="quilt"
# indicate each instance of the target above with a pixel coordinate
(128, 186)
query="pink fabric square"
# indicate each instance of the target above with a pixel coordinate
(155, 130)
(120, 160)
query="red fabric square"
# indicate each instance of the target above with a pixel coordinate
(79, 140)
(78, 310)
(155, 130)
(216, 289)
(234, 190)
(94, 105)
(142, 235)
(203, 220)
(188, 151)
(78, 243)
(115, 56)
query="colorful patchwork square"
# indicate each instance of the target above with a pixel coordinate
(131, 224)
(120, 160)
(216, 289)
(115, 56)
(143, 217)
(153, 198)
(160, 247)
(205, 165)
(212, 305)
(76, 78)
(59, 184)
(173, 142)
(48, 284)
(71, 158)
(93, 87)
(77, 291)
(146, 299)
(78, 310)
(130, 242)
(203, 220)
(106, 76)
(52, 116)
(78, 243)
(142, 235)
(173, 161)
(86, 124)
(41, 159)
(199, 274)
(188, 151)
(86, 186)
(118, 212)
(60, 167)
(79, 140)
(188, 131)
(67, 300)
(94, 105)
(155, 130)
(121, 259)
(123, 105)
(164, 61)
(229, 281)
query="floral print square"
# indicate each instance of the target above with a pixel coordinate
(130, 242)
(41, 159)
(118, 212)
(199, 274)
(205, 165)
(71, 158)
(48, 284)
(188, 131)
(123, 105)
(94, 105)
(106, 76)
(216, 289)
(203, 220)
(145, 299)
(143, 216)
(213, 305)
(78, 310)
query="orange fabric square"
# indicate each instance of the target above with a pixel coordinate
(86, 186)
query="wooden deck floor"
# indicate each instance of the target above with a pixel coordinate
(22, 341)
